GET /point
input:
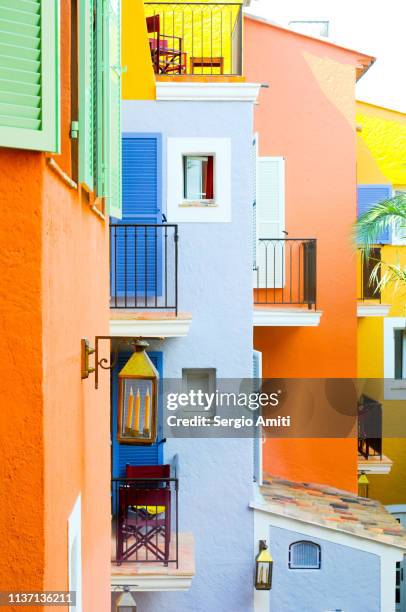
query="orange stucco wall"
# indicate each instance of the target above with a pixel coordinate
(54, 427)
(308, 116)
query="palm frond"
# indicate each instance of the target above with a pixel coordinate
(389, 213)
(385, 274)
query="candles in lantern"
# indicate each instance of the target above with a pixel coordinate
(137, 411)
(130, 409)
(147, 411)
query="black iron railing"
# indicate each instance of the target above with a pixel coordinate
(368, 288)
(285, 271)
(369, 427)
(195, 38)
(145, 520)
(144, 266)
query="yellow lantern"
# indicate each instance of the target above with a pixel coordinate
(138, 399)
(363, 485)
(263, 568)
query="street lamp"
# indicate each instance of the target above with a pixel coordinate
(263, 568)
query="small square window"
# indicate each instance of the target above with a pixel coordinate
(198, 178)
(304, 555)
(201, 381)
(312, 28)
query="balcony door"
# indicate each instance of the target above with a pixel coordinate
(136, 268)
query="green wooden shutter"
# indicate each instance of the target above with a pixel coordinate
(29, 74)
(112, 123)
(87, 93)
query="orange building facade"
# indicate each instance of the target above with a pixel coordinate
(307, 117)
(54, 462)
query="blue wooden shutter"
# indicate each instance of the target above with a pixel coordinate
(138, 251)
(131, 453)
(368, 196)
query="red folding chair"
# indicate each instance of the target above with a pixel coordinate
(165, 59)
(144, 521)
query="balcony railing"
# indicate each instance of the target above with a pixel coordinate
(145, 520)
(285, 271)
(369, 428)
(144, 266)
(368, 290)
(195, 38)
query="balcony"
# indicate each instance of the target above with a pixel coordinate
(370, 457)
(197, 39)
(369, 293)
(144, 281)
(285, 282)
(148, 552)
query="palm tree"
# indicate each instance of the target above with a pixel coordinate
(388, 214)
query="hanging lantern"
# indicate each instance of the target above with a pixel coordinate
(263, 568)
(126, 602)
(363, 485)
(138, 399)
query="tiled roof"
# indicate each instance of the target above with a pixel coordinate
(332, 508)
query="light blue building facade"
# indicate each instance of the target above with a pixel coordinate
(215, 290)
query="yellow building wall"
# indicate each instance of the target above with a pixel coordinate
(138, 82)
(381, 145)
(381, 155)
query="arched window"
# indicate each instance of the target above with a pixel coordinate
(304, 555)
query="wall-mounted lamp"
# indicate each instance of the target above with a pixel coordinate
(126, 602)
(263, 568)
(138, 398)
(104, 364)
(363, 485)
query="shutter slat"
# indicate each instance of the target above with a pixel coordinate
(21, 41)
(28, 89)
(19, 76)
(10, 28)
(21, 18)
(13, 110)
(18, 99)
(23, 122)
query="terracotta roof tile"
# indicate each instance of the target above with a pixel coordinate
(333, 508)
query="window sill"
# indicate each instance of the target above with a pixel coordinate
(198, 205)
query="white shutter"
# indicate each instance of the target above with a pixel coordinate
(257, 446)
(254, 201)
(270, 221)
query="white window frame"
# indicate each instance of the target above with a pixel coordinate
(304, 567)
(179, 211)
(200, 201)
(394, 389)
(311, 21)
(75, 535)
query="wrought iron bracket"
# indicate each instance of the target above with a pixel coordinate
(116, 342)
